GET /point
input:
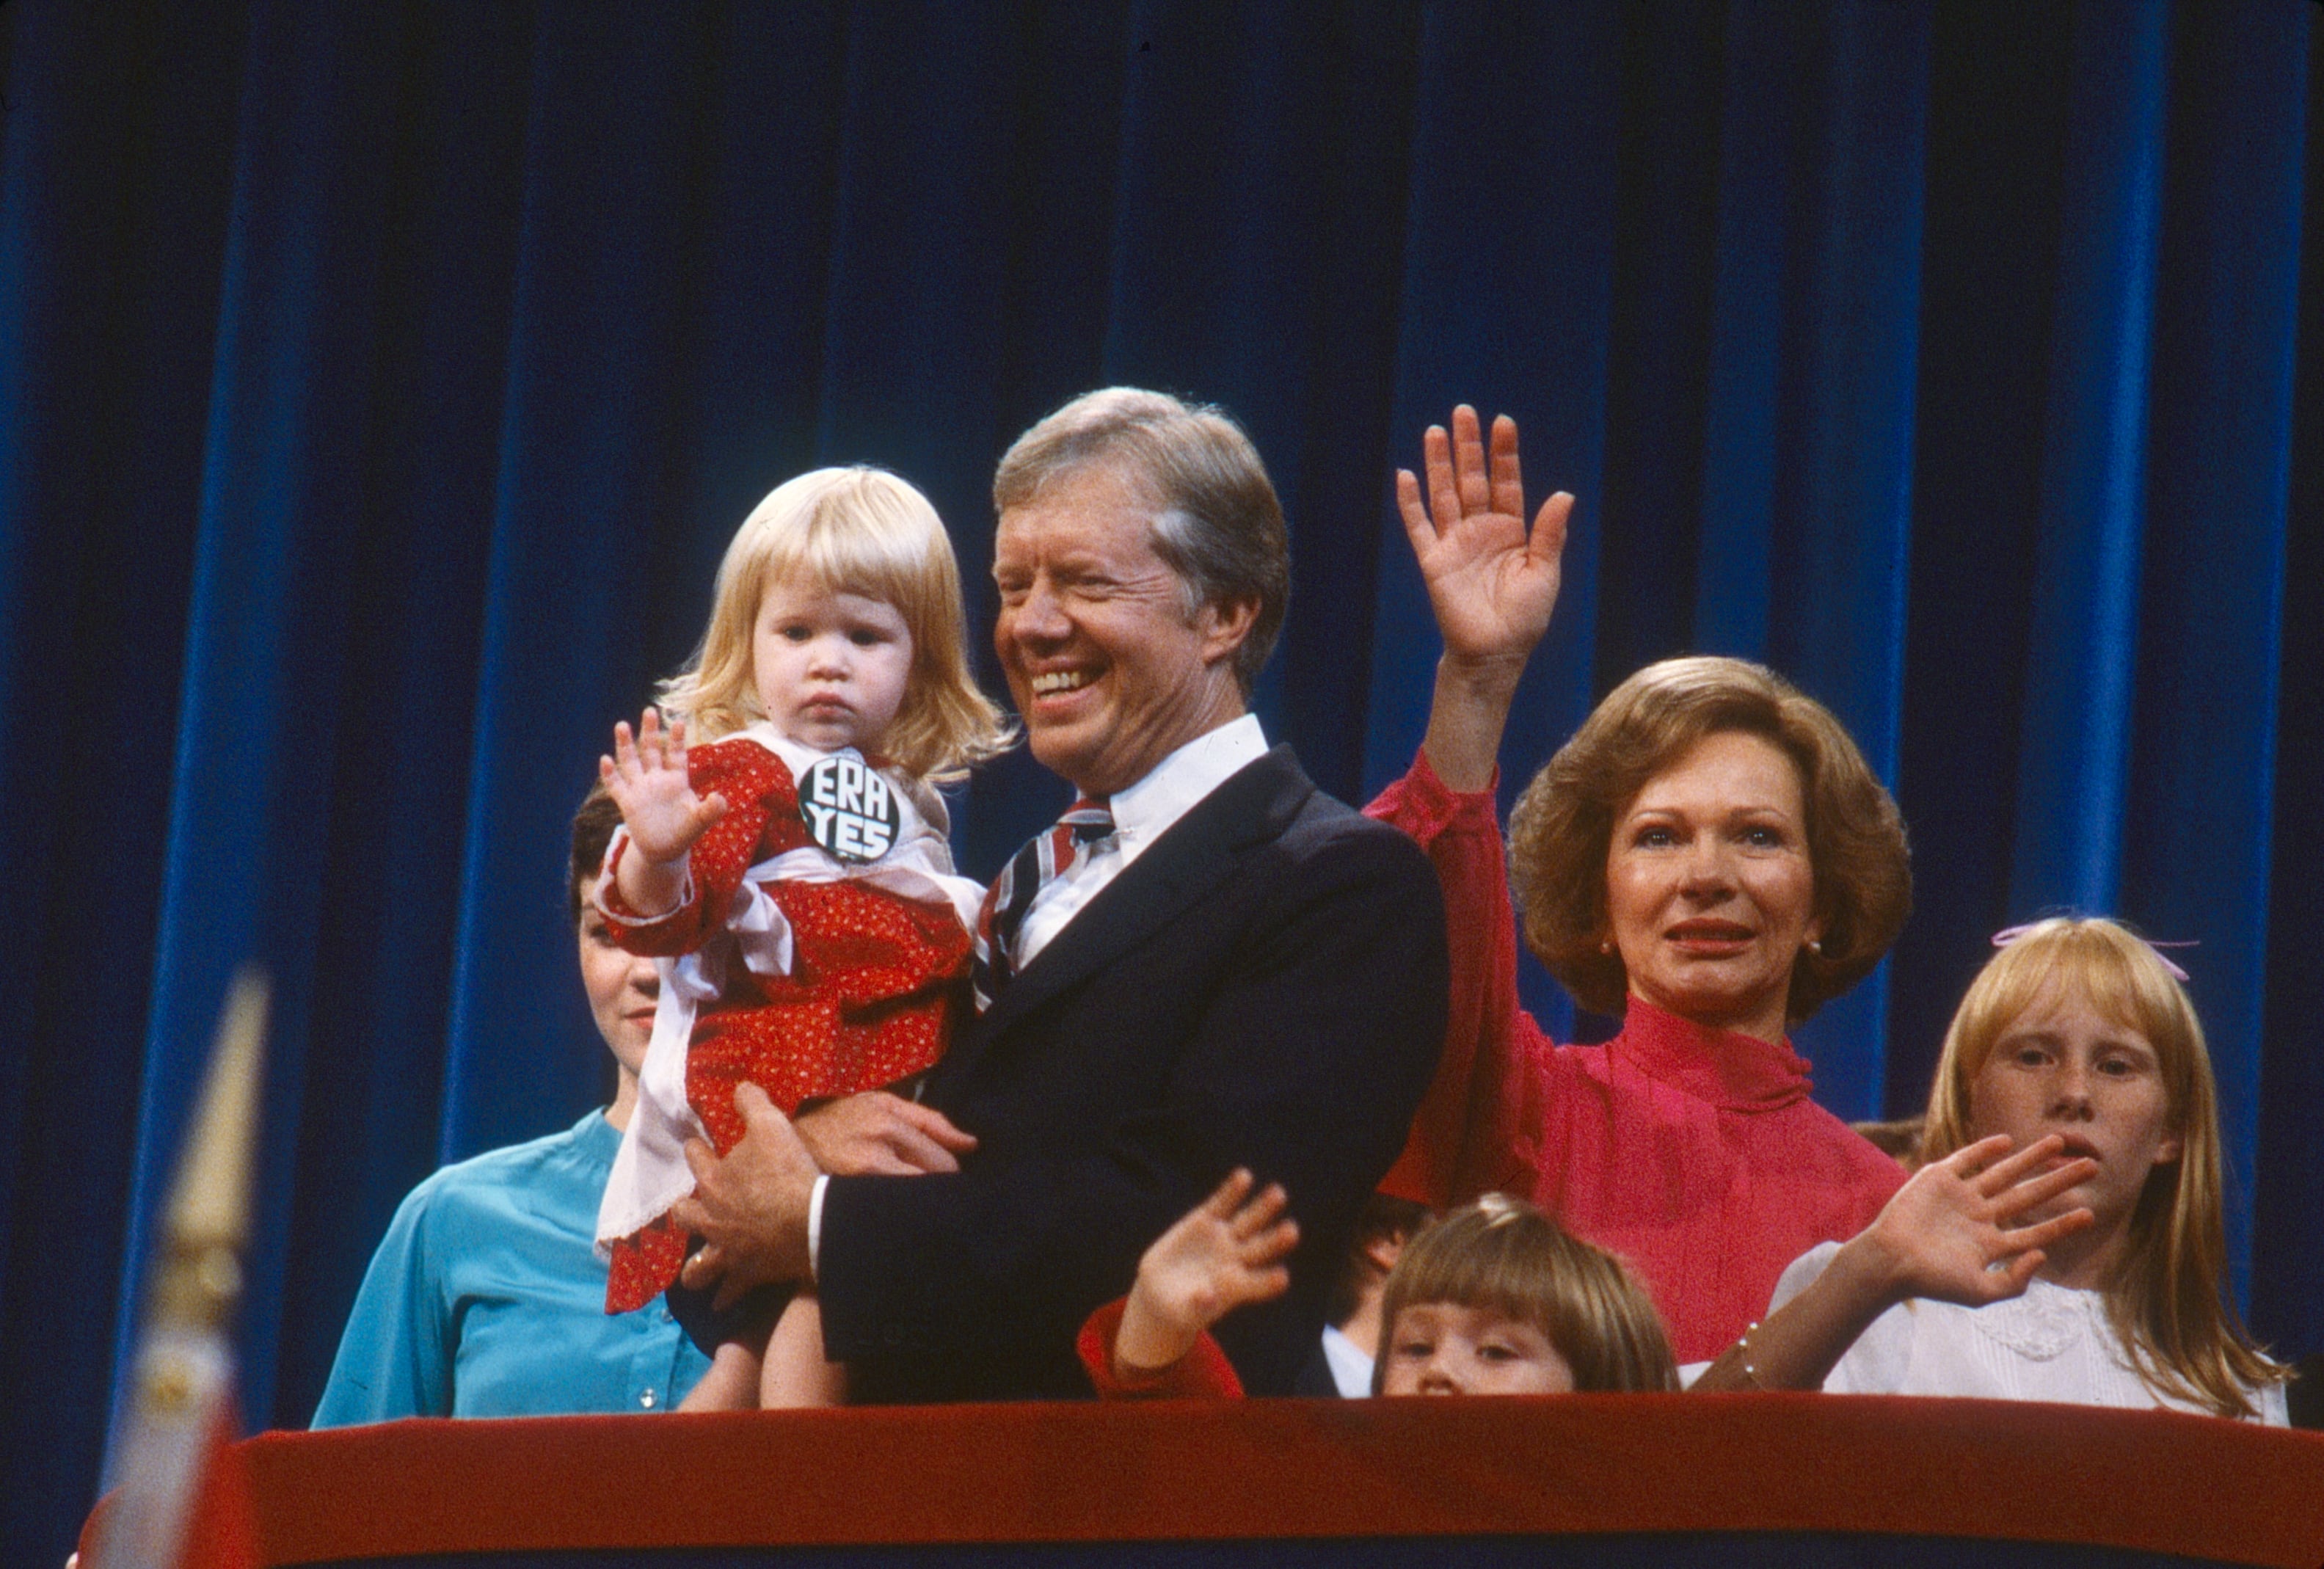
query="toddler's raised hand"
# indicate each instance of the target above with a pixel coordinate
(647, 779)
(1227, 1253)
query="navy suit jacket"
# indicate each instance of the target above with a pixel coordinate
(1264, 986)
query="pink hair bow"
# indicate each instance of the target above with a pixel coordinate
(2010, 934)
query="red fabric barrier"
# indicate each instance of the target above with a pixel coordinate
(1279, 1469)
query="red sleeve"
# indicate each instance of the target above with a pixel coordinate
(1473, 1133)
(759, 793)
(1204, 1373)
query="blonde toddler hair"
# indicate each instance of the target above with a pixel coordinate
(848, 530)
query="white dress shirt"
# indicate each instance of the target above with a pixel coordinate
(1141, 813)
(1351, 1370)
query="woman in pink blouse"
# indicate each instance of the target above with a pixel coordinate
(1708, 857)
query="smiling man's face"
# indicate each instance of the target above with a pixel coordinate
(1109, 669)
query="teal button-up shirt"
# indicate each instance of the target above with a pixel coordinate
(487, 1299)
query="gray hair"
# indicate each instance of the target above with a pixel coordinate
(1217, 524)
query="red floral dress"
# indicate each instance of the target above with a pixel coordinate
(873, 986)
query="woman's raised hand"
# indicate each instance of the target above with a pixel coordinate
(1226, 1252)
(1951, 1234)
(1491, 582)
(647, 778)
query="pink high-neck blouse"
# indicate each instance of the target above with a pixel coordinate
(1696, 1154)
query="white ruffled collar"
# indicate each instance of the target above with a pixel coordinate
(2046, 1322)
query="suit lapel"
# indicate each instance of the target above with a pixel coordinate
(1253, 807)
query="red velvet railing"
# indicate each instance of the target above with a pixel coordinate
(1297, 1469)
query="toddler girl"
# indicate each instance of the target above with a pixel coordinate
(1492, 1298)
(2087, 1266)
(789, 866)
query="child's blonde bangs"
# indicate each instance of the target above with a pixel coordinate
(859, 532)
(2100, 961)
(1491, 1255)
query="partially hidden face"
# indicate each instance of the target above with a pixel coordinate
(623, 989)
(1709, 892)
(830, 670)
(2064, 1067)
(1441, 1348)
(1109, 671)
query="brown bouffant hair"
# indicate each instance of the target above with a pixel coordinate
(1564, 824)
(1502, 1254)
(1218, 524)
(2166, 1303)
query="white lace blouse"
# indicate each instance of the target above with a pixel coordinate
(2052, 1344)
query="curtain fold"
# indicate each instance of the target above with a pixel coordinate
(2074, 744)
(594, 378)
(110, 234)
(379, 385)
(2196, 832)
(2288, 1282)
(1845, 393)
(273, 609)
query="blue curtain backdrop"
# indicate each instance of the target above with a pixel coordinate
(379, 385)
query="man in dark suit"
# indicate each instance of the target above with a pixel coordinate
(1210, 963)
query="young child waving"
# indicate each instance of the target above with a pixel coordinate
(784, 855)
(1493, 1299)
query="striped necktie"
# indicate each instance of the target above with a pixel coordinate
(1046, 856)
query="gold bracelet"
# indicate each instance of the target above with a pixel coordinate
(1743, 1344)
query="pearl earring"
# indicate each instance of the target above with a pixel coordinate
(1815, 946)
(1607, 946)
